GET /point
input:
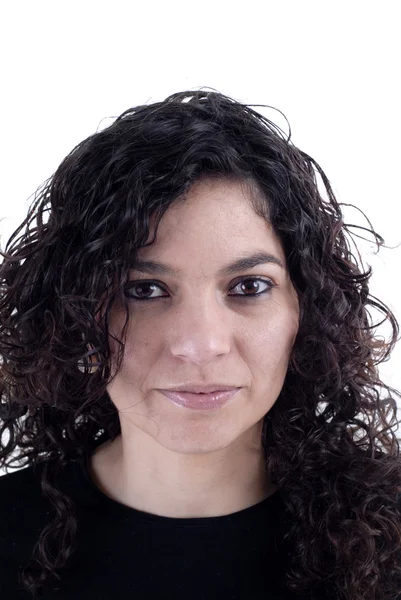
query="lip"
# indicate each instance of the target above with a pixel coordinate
(196, 388)
(194, 401)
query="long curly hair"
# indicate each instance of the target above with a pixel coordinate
(328, 440)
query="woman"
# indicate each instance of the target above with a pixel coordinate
(190, 372)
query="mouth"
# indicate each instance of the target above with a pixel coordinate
(210, 388)
(201, 400)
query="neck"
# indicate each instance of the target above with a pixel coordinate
(156, 480)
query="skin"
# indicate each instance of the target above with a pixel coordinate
(173, 461)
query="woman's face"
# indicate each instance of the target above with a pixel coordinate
(204, 326)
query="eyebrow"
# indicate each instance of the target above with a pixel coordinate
(241, 264)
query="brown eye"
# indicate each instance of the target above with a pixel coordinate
(140, 290)
(253, 284)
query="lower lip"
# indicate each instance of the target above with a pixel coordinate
(200, 401)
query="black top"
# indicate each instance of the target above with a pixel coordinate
(126, 553)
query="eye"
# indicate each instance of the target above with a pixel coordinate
(142, 289)
(253, 284)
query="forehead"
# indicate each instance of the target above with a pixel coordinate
(215, 221)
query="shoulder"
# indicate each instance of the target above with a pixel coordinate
(20, 496)
(21, 492)
(23, 514)
(19, 482)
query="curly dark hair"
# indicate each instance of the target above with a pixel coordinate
(328, 440)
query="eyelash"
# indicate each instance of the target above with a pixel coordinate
(132, 284)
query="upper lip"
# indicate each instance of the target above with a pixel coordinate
(202, 389)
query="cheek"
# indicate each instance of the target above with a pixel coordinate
(136, 333)
(270, 345)
(141, 352)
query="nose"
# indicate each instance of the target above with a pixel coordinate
(200, 330)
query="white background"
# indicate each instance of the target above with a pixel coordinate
(331, 67)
